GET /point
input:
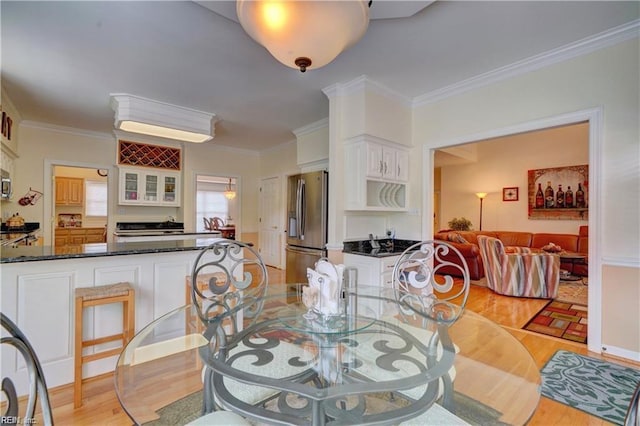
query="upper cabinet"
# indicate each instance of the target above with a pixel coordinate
(387, 163)
(69, 191)
(148, 187)
(377, 174)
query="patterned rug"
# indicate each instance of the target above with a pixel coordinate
(560, 319)
(597, 387)
(182, 412)
(574, 292)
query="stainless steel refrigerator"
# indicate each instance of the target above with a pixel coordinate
(307, 199)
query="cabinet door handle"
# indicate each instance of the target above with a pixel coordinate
(398, 170)
(381, 167)
(385, 168)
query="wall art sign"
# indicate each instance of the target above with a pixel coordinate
(559, 193)
(7, 124)
(510, 193)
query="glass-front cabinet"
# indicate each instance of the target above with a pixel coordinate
(148, 187)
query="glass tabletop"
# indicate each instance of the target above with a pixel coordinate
(298, 317)
(159, 374)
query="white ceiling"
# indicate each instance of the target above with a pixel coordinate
(61, 60)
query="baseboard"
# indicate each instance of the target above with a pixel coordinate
(621, 353)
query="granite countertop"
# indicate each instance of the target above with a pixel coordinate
(204, 234)
(387, 248)
(38, 253)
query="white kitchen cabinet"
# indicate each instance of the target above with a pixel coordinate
(30, 289)
(377, 175)
(372, 272)
(148, 187)
(387, 163)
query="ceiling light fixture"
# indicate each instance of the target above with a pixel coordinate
(230, 194)
(141, 115)
(304, 34)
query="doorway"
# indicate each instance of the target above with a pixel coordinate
(80, 208)
(593, 119)
(216, 197)
(271, 220)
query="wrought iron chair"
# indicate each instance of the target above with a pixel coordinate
(235, 284)
(233, 272)
(420, 288)
(37, 384)
(429, 300)
(633, 412)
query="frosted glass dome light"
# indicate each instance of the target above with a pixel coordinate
(304, 34)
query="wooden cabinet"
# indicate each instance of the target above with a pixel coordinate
(78, 236)
(69, 191)
(377, 174)
(145, 187)
(94, 235)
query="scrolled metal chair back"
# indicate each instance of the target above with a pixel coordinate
(37, 384)
(227, 275)
(422, 288)
(633, 412)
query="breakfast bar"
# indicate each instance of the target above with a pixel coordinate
(38, 285)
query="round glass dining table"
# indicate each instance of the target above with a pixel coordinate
(493, 378)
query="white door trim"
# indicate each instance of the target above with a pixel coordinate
(595, 118)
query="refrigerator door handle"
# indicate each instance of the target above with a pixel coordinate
(300, 208)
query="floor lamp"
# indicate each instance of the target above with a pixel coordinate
(481, 195)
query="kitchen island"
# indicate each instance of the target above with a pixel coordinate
(41, 253)
(38, 285)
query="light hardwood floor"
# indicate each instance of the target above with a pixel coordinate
(101, 405)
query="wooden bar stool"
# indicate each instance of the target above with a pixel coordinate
(95, 296)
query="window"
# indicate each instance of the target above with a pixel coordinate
(95, 195)
(210, 203)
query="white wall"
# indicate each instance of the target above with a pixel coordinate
(504, 162)
(221, 161)
(41, 145)
(608, 79)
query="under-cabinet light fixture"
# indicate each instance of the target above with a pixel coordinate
(141, 115)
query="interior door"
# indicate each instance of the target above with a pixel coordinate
(271, 207)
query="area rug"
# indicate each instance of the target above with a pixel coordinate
(597, 387)
(573, 293)
(181, 411)
(560, 319)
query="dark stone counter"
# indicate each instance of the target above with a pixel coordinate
(38, 253)
(387, 248)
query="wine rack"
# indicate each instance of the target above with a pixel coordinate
(145, 155)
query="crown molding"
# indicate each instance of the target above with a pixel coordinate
(68, 130)
(365, 137)
(278, 147)
(364, 83)
(581, 47)
(304, 130)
